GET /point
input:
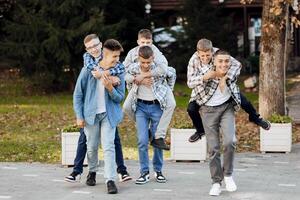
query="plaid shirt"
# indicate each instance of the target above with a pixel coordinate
(203, 90)
(91, 63)
(159, 86)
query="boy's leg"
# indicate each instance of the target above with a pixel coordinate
(210, 117)
(79, 158)
(228, 128)
(108, 146)
(227, 125)
(121, 168)
(127, 109)
(155, 117)
(166, 117)
(142, 124)
(80, 153)
(164, 122)
(253, 115)
(193, 111)
(92, 133)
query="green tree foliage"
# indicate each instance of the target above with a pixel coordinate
(46, 37)
(202, 20)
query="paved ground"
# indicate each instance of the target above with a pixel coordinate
(258, 176)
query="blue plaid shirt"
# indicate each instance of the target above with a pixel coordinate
(91, 63)
(159, 86)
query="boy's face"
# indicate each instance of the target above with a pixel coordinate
(112, 57)
(205, 56)
(145, 64)
(144, 41)
(93, 47)
(222, 63)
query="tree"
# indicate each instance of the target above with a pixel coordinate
(46, 37)
(276, 20)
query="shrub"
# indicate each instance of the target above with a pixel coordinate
(276, 118)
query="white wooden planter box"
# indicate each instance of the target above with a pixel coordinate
(182, 149)
(69, 141)
(277, 139)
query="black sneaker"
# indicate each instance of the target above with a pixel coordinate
(265, 124)
(111, 187)
(73, 177)
(159, 177)
(196, 136)
(160, 143)
(144, 178)
(91, 179)
(124, 176)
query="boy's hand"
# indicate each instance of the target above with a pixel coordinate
(80, 123)
(107, 82)
(147, 81)
(138, 79)
(209, 75)
(115, 80)
(222, 83)
(96, 73)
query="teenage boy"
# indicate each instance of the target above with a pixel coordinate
(91, 59)
(145, 39)
(219, 99)
(148, 103)
(98, 110)
(201, 58)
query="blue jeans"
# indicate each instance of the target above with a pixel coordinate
(148, 115)
(81, 151)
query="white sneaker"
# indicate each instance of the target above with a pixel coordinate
(230, 184)
(215, 189)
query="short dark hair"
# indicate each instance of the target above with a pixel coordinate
(221, 52)
(145, 52)
(145, 33)
(90, 37)
(113, 45)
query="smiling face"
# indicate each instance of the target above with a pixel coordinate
(145, 64)
(205, 56)
(222, 63)
(93, 47)
(111, 57)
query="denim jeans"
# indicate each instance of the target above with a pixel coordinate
(81, 151)
(248, 107)
(148, 115)
(101, 130)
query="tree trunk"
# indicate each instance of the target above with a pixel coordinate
(271, 77)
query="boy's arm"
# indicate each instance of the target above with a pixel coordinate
(118, 92)
(160, 61)
(132, 71)
(171, 78)
(234, 70)
(193, 77)
(78, 95)
(117, 70)
(89, 62)
(129, 59)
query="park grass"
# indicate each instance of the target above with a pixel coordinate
(31, 124)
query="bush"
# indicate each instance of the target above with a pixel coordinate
(276, 118)
(71, 128)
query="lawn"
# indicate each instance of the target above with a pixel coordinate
(31, 124)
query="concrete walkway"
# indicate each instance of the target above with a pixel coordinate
(258, 176)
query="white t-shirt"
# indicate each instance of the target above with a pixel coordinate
(145, 93)
(101, 98)
(218, 97)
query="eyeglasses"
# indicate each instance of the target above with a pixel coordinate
(93, 47)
